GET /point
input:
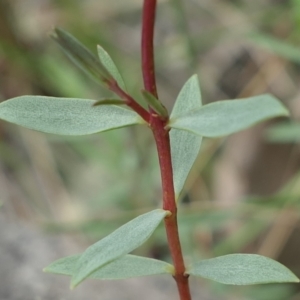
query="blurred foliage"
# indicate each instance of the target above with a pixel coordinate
(241, 196)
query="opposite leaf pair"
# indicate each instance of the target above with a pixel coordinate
(189, 122)
(108, 259)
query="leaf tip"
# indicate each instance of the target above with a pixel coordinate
(56, 32)
(99, 47)
(194, 76)
(53, 34)
(295, 278)
(73, 284)
(286, 112)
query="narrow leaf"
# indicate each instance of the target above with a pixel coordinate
(109, 102)
(80, 55)
(66, 116)
(277, 46)
(242, 269)
(127, 266)
(284, 133)
(122, 241)
(110, 66)
(226, 117)
(155, 104)
(185, 146)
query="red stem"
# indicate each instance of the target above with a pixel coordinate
(114, 87)
(162, 139)
(148, 66)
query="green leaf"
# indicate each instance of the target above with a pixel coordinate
(185, 146)
(230, 116)
(155, 104)
(80, 55)
(127, 266)
(277, 46)
(284, 133)
(242, 269)
(109, 102)
(122, 241)
(66, 116)
(111, 67)
(189, 98)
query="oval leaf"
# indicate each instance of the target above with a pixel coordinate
(66, 116)
(110, 66)
(122, 241)
(185, 146)
(128, 266)
(226, 117)
(242, 269)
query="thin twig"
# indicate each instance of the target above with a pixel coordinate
(162, 139)
(114, 87)
(148, 67)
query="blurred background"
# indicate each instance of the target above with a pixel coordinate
(60, 194)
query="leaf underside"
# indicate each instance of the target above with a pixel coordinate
(185, 146)
(242, 269)
(229, 116)
(185, 149)
(128, 266)
(119, 243)
(65, 116)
